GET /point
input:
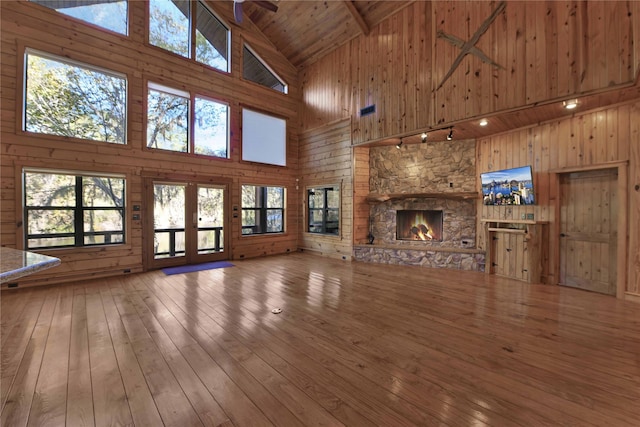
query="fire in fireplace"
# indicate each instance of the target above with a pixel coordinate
(419, 225)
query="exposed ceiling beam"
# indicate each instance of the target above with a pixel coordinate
(356, 15)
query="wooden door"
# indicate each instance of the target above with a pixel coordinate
(588, 230)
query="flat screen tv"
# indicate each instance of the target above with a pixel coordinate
(508, 187)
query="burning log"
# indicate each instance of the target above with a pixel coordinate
(421, 232)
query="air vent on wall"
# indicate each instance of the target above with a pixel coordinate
(367, 110)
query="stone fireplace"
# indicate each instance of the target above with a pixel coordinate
(426, 212)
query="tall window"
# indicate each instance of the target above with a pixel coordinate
(262, 209)
(75, 100)
(256, 70)
(108, 14)
(324, 210)
(169, 113)
(73, 210)
(172, 23)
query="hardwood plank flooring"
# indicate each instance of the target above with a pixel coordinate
(355, 345)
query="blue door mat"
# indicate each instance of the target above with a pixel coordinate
(196, 267)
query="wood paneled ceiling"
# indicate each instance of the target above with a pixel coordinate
(304, 31)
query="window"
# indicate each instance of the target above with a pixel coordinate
(262, 209)
(170, 27)
(72, 210)
(324, 210)
(74, 100)
(169, 112)
(108, 14)
(264, 138)
(255, 70)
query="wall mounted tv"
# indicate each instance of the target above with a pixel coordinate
(508, 187)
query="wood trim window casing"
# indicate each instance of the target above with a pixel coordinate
(172, 88)
(264, 208)
(192, 37)
(65, 167)
(307, 217)
(64, 56)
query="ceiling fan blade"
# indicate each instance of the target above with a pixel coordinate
(266, 4)
(237, 11)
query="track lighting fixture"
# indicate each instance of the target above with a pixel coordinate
(450, 136)
(424, 137)
(399, 144)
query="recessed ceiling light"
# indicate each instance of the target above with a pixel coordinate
(484, 122)
(570, 104)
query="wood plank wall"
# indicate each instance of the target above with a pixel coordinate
(30, 25)
(548, 50)
(326, 159)
(361, 208)
(593, 138)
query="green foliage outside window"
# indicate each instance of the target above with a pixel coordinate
(170, 23)
(63, 210)
(74, 100)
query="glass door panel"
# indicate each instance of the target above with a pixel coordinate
(187, 223)
(210, 219)
(169, 239)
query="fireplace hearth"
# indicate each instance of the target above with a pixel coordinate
(419, 225)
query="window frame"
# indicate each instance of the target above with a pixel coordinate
(23, 81)
(191, 119)
(325, 209)
(193, 11)
(78, 211)
(261, 211)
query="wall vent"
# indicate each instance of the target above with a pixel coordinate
(367, 110)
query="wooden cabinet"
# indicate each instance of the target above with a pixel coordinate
(513, 249)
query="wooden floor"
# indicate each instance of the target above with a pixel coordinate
(356, 344)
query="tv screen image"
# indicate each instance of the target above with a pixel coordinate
(508, 187)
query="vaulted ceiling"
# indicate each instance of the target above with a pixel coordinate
(304, 31)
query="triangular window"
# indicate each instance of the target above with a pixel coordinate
(254, 69)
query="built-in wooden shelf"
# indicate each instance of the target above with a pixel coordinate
(513, 248)
(462, 195)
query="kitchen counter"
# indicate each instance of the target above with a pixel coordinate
(15, 263)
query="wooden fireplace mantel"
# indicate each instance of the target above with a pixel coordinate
(461, 195)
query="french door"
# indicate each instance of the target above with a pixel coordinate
(186, 223)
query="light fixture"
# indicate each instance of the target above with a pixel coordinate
(483, 122)
(424, 137)
(570, 104)
(399, 144)
(450, 136)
